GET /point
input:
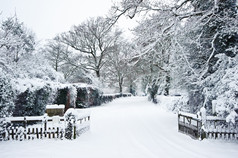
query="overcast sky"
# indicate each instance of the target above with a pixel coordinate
(46, 18)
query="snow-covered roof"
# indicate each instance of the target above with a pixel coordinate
(55, 106)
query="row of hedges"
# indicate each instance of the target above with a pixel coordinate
(105, 98)
(78, 96)
(33, 101)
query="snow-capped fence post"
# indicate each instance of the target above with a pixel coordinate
(203, 116)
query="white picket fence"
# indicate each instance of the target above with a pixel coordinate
(42, 127)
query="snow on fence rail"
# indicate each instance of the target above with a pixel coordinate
(211, 128)
(56, 127)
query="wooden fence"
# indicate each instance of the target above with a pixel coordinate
(212, 128)
(21, 128)
(189, 125)
(19, 133)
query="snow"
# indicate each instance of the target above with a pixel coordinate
(128, 127)
(171, 103)
(189, 114)
(231, 117)
(32, 118)
(78, 113)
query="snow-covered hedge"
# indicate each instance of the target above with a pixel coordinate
(6, 95)
(77, 95)
(224, 95)
(87, 96)
(32, 102)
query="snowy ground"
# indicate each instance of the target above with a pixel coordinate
(125, 128)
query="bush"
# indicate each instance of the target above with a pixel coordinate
(61, 96)
(70, 130)
(6, 96)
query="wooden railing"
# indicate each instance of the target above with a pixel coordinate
(212, 128)
(189, 125)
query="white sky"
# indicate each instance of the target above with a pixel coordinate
(46, 18)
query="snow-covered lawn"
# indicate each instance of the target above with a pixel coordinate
(125, 128)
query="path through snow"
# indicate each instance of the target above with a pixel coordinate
(125, 128)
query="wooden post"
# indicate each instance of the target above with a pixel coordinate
(61, 134)
(28, 132)
(16, 133)
(41, 133)
(45, 133)
(74, 130)
(179, 128)
(25, 133)
(37, 133)
(53, 133)
(45, 125)
(25, 122)
(49, 133)
(57, 132)
(12, 133)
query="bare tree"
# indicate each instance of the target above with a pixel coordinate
(65, 60)
(95, 39)
(117, 68)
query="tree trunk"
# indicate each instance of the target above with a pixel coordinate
(120, 88)
(167, 85)
(153, 92)
(98, 73)
(120, 84)
(56, 66)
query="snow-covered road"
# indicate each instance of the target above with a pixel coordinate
(125, 128)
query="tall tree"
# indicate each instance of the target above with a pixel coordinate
(200, 30)
(16, 40)
(95, 39)
(117, 67)
(64, 60)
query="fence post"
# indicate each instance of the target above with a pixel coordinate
(45, 123)
(74, 130)
(37, 133)
(203, 115)
(25, 122)
(25, 125)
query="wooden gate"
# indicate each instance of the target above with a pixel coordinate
(213, 128)
(189, 125)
